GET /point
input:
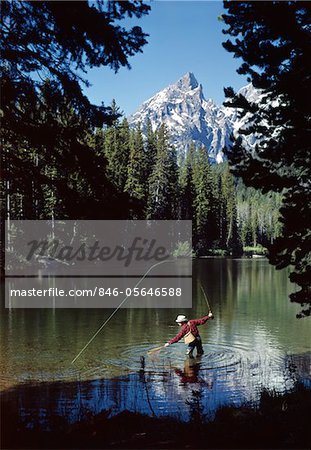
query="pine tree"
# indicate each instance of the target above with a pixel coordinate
(123, 152)
(186, 188)
(273, 40)
(60, 50)
(43, 157)
(151, 148)
(222, 219)
(163, 180)
(117, 150)
(233, 243)
(201, 179)
(135, 184)
(111, 147)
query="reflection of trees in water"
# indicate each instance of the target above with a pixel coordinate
(254, 296)
(196, 407)
(189, 393)
(298, 368)
(143, 379)
(192, 381)
(253, 323)
(239, 278)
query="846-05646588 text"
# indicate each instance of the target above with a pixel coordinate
(89, 292)
(98, 290)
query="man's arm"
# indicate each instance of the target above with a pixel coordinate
(180, 335)
(203, 319)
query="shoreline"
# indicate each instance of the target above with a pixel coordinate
(280, 421)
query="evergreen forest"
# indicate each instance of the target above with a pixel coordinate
(120, 172)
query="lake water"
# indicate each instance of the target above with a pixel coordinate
(254, 342)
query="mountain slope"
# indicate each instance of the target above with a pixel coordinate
(190, 117)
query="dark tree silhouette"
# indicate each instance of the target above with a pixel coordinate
(50, 167)
(273, 39)
(59, 41)
(53, 43)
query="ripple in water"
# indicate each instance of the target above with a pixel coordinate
(216, 357)
(221, 359)
(231, 364)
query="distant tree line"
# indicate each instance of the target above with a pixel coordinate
(170, 183)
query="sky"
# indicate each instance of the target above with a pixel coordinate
(184, 36)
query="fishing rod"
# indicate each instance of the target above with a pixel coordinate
(114, 312)
(153, 350)
(206, 298)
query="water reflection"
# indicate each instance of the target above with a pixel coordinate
(255, 342)
(190, 374)
(184, 392)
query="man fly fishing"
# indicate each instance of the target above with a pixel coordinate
(189, 331)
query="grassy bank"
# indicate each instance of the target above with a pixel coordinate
(280, 421)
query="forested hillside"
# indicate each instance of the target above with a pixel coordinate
(131, 176)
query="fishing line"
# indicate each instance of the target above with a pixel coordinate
(118, 307)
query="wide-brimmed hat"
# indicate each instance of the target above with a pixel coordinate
(181, 318)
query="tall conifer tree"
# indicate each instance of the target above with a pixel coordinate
(201, 179)
(163, 180)
(274, 40)
(135, 184)
(233, 243)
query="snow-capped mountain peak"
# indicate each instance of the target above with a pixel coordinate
(187, 82)
(189, 116)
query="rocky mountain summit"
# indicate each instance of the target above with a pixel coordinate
(190, 117)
